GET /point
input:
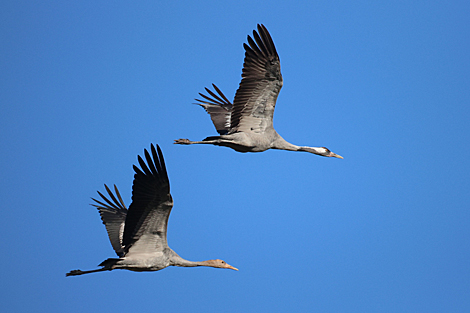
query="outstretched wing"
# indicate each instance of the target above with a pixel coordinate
(253, 106)
(113, 214)
(219, 108)
(147, 218)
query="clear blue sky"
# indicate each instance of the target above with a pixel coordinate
(86, 86)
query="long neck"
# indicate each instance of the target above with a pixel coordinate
(281, 144)
(176, 260)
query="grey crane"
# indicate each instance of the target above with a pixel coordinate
(247, 124)
(138, 235)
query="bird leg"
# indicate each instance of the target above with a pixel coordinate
(80, 272)
(183, 142)
(215, 140)
(218, 141)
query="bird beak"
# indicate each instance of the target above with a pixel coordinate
(336, 155)
(232, 268)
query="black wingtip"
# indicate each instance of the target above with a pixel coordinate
(155, 165)
(161, 161)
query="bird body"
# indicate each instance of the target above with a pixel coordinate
(246, 125)
(242, 142)
(139, 234)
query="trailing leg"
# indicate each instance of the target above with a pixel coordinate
(80, 272)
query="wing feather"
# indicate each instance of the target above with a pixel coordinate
(113, 214)
(219, 109)
(255, 100)
(151, 204)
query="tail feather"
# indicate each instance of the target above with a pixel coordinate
(211, 138)
(108, 263)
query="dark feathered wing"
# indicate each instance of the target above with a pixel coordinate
(113, 214)
(255, 100)
(219, 108)
(147, 217)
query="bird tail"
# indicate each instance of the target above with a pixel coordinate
(211, 138)
(108, 263)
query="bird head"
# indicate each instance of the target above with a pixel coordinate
(322, 151)
(219, 264)
(327, 153)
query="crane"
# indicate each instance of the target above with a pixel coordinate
(138, 235)
(246, 125)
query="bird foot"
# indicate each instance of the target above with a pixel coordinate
(182, 142)
(74, 272)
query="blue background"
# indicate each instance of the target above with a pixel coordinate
(86, 86)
